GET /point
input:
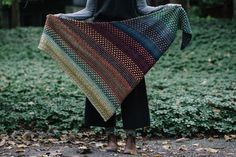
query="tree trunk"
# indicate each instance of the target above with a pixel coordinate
(234, 9)
(1, 16)
(15, 14)
(228, 9)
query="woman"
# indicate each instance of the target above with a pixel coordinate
(134, 109)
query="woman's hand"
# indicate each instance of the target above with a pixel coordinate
(174, 4)
(79, 15)
(85, 13)
(143, 8)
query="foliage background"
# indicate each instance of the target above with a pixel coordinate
(6, 2)
(189, 92)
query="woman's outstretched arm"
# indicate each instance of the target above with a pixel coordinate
(85, 13)
(143, 8)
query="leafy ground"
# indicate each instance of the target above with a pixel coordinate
(190, 92)
(90, 144)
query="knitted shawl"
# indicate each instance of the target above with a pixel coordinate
(108, 59)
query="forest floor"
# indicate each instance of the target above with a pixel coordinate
(88, 144)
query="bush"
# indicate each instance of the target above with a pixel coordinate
(214, 8)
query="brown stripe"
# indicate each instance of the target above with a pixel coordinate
(107, 77)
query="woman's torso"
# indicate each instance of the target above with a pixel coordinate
(114, 10)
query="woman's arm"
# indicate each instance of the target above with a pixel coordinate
(143, 8)
(85, 13)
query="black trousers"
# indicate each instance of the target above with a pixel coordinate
(134, 111)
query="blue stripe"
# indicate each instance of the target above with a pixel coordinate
(139, 37)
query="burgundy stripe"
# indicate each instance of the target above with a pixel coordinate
(134, 55)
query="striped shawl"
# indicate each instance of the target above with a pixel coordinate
(108, 59)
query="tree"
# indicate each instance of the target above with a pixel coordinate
(234, 8)
(1, 16)
(15, 11)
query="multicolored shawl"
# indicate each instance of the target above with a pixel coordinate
(108, 59)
